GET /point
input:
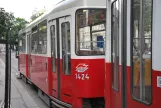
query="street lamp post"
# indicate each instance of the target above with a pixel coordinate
(7, 62)
(7, 73)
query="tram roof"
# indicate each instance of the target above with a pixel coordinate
(66, 4)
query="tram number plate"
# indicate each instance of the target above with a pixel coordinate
(82, 76)
(159, 81)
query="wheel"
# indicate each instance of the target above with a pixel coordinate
(25, 79)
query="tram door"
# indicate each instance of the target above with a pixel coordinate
(65, 58)
(134, 82)
(54, 33)
(61, 58)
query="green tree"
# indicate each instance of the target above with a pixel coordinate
(37, 13)
(35, 16)
(18, 24)
(147, 8)
(11, 24)
(6, 22)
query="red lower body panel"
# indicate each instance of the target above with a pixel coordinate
(39, 72)
(22, 63)
(79, 85)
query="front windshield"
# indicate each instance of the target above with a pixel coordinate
(90, 31)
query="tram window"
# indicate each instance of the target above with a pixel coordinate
(34, 43)
(141, 45)
(115, 45)
(34, 40)
(66, 51)
(53, 48)
(42, 42)
(39, 38)
(90, 31)
(22, 43)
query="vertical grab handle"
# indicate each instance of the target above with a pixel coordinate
(46, 66)
(30, 61)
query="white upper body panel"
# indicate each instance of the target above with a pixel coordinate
(65, 8)
(67, 4)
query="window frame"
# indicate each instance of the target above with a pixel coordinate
(131, 54)
(86, 26)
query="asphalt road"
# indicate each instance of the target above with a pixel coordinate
(22, 95)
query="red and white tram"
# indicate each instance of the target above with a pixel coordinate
(133, 57)
(69, 66)
(62, 53)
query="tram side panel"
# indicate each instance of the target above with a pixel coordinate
(88, 81)
(39, 72)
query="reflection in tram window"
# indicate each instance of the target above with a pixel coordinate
(90, 31)
(66, 52)
(39, 38)
(53, 47)
(42, 32)
(34, 38)
(141, 59)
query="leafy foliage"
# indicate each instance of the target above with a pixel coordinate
(147, 8)
(37, 13)
(35, 16)
(18, 24)
(6, 22)
(9, 22)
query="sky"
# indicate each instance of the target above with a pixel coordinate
(24, 8)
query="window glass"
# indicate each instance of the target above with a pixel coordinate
(66, 53)
(90, 31)
(39, 38)
(115, 45)
(34, 43)
(141, 59)
(29, 43)
(42, 42)
(22, 43)
(53, 48)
